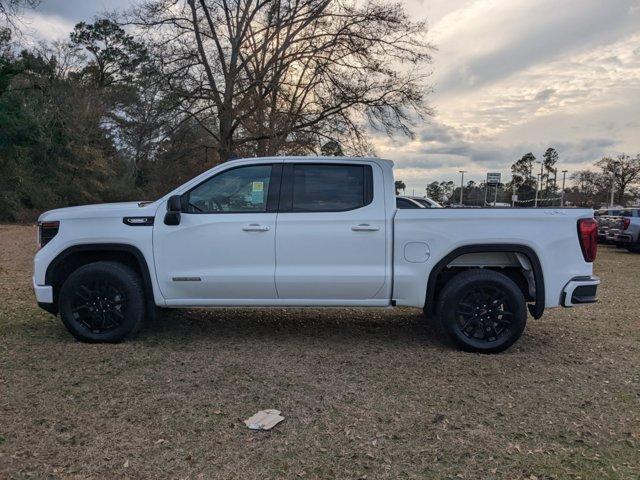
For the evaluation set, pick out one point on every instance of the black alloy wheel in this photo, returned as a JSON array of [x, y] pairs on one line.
[[484, 314], [102, 302], [482, 310], [99, 306]]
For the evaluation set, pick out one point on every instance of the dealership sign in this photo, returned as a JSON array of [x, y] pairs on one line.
[[493, 178]]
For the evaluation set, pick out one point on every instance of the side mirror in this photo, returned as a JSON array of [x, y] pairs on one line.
[[174, 207]]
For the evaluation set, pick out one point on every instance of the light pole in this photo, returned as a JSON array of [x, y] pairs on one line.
[[541, 176], [613, 182], [564, 176], [538, 178], [462, 172]]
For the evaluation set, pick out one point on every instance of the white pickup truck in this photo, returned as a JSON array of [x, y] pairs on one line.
[[311, 232]]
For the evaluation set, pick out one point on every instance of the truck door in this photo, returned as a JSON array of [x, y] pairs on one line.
[[224, 247], [331, 239]]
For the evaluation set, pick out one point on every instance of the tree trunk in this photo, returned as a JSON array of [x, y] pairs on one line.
[[225, 148]]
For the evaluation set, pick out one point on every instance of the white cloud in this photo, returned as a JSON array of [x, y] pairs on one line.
[[511, 76], [41, 26], [514, 76]]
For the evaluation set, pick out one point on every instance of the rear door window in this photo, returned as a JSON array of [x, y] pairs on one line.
[[328, 187]]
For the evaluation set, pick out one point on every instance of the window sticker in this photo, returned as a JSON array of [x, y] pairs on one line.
[[257, 192]]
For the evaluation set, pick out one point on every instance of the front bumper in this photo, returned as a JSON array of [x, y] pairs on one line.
[[44, 297], [580, 290], [44, 293]]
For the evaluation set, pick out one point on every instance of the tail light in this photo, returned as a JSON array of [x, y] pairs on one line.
[[46, 232], [588, 236], [626, 221]]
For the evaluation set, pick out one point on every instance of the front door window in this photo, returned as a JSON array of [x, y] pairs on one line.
[[239, 190]]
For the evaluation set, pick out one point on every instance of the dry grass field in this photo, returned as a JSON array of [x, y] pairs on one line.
[[366, 394]]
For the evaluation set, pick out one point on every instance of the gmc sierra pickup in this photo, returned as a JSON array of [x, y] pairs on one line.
[[311, 231]]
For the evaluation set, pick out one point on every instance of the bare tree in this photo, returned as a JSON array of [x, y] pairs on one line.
[[591, 183], [624, 169], [267, 76], [10, 11]]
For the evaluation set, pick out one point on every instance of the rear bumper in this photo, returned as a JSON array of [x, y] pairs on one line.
[[623, 238], [580, 290]]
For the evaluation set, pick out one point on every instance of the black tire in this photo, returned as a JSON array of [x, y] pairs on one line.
[[482, 300], [102, 302]]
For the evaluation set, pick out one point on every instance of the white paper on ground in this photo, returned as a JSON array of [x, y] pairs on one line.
[[264, 420]]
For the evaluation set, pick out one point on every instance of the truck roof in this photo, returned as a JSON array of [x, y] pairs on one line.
[[314, 157]]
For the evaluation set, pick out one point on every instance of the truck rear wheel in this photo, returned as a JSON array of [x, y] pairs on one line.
[[102, 302], [482, 311]]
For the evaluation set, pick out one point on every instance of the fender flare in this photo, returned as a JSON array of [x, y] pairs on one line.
[[536, 309], [103, 247]]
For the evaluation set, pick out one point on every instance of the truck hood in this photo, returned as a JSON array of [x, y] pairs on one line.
[[103, 210]]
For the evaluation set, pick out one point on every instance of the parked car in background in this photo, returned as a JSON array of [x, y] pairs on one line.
[[426, 202], [624, 230], [606, 218], [611, 212], [407, 203]]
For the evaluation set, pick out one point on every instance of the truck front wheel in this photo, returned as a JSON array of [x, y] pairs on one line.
[[482, 311], [102, 302]]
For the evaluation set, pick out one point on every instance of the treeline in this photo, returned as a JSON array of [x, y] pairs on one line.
[[544, 183], [589, 188], [128, 108]]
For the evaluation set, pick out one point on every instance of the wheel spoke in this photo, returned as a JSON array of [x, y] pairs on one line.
[[84, 293], [484, 308], [99, 306], [472, 333], [485, 333], [494, 331], [465, 308], [111, 321], [496, 298], [78, 308]]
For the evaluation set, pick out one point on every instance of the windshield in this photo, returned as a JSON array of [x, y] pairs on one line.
[[427, 203]]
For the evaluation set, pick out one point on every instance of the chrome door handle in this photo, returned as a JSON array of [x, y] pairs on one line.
[[254, 227], [365, 227]]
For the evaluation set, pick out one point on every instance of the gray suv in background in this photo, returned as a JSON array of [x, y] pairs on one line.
[[624, 230]]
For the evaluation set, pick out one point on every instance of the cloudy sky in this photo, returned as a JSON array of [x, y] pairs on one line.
[[510, 76]]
